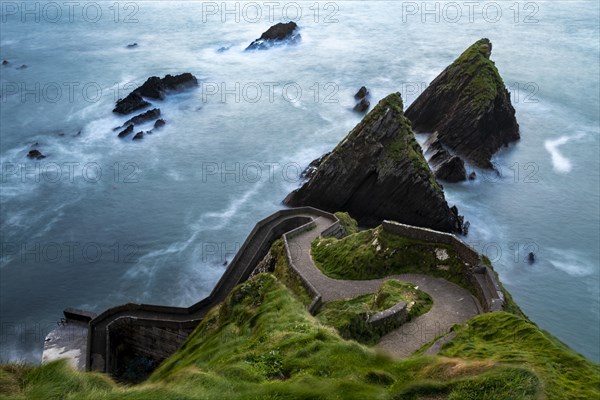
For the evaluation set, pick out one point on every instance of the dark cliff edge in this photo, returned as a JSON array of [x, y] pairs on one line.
[[378, 172], [469, 106]]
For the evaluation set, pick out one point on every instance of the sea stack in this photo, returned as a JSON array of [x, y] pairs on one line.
[[378, 172], [469, 106], [278, 34]]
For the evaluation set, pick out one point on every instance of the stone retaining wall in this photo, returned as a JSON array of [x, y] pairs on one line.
[[147, 328], [487, 288]]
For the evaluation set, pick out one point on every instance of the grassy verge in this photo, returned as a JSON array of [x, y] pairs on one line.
[[350, 225], [350, 317], [260, 343], [376, 253], [505, 338]]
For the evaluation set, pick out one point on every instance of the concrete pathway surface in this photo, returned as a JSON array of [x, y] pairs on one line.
[[451, 303]]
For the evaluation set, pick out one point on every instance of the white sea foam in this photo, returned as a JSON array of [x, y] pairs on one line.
[[570, 262], [560, 163]]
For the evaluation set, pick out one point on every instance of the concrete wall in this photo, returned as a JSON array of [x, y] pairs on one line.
[[487, 288], [151, 326]]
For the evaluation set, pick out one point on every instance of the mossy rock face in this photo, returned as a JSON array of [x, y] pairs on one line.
[[379, 172], [469, 106]]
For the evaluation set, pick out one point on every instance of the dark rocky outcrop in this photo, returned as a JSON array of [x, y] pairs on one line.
[[451, 169], [363, 103], [35, 154], [144, 117], [362, 106], [159, 123], [362, 93], [310, 171], [5, 62], [126, 131], [139, 135], [469, 106], [445, 166], [133, 102], [157, 88], [276, 35], [154, 88], [132, 45], [378, 172]]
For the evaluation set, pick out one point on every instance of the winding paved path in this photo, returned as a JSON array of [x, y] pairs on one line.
[[451, 303]]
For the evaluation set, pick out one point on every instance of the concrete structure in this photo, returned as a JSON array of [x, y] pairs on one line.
[[154, 332], [482, 278]]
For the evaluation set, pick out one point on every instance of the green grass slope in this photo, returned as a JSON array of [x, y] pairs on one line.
[[262, 344]]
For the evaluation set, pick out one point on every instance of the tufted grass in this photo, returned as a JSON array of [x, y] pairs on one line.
[[260, 343]]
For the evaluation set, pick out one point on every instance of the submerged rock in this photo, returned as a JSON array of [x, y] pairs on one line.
[[139, 135], [22, 66], [154, 88], [278, 34], [126, 131], [159, 123], [469, 106], [36, 154], [132, 45], [362, 106], [378, 172]]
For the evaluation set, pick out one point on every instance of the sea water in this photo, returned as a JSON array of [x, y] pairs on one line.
[[103, 221]]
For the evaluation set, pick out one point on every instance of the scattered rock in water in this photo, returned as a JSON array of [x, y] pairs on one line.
[[362, 93], [472, 176], [139, 135], [144, 117], [5, 62], [132, 45], [278, 34], [157, 88], [35, 154], [363, 103], [126, 131], [131, 103], [223, 49], [154, 88], [362, 106], [159, 123], [531, 258], [466, 226], [379, 172], [22, 66], [469, 106]]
